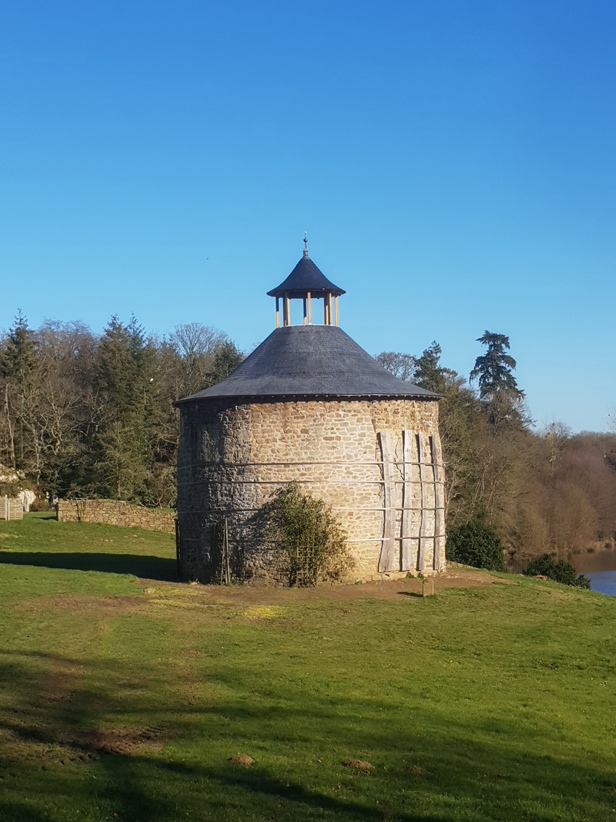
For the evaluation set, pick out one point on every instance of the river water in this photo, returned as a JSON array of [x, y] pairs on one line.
[[603, 581], [600, 568]]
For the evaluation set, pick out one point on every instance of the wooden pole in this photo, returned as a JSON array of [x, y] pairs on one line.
[[427, 587], [277, 312], [305, 312], [227, 568], [329, 309], [220, 533], [336, 305], [309, 310], [287, 320], [324, 310], [439, 501], [407, 501], [423, 528], [387, 559]]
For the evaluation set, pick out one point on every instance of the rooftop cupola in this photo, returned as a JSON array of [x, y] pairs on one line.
[[307, 283]]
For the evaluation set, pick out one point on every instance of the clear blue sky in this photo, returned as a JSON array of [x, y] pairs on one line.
[[453, 163]]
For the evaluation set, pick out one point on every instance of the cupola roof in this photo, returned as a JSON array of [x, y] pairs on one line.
[[306, 278]]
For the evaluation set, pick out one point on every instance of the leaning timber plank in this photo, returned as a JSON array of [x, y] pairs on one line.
[[423, 528], [439, 502], [409, 444], [387, 559]]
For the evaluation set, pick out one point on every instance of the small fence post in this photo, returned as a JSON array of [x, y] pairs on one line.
[[427, 587]]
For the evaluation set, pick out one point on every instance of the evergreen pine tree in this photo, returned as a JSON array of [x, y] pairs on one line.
[[429, 374], [126, 438], [498, 388], [18, 365]]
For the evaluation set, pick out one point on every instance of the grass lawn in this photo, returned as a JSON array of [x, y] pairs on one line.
[[124, 698]]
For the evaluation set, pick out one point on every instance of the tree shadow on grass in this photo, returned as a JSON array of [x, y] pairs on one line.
[[20, 812], [147, 567], [483, 776], [269, 791]]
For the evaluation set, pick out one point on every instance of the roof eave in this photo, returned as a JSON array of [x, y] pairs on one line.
[[279, 397], [302, 292]]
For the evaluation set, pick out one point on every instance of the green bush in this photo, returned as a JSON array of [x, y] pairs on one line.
[[304, 529], [476, 544], [540, 566], [560, 571]]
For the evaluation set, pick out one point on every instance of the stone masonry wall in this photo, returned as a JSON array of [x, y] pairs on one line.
[[232, 458], [114, 512]]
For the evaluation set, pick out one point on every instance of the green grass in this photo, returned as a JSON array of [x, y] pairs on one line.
[[39, 540], [124, 697]]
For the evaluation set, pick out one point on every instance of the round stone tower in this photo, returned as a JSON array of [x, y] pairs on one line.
[[309, 405]]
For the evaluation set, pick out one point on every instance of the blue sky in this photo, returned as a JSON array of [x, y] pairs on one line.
[[452, 162]]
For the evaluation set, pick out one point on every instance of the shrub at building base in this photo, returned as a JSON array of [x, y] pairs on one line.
[[558, 571], [476, 544], [302, 528]]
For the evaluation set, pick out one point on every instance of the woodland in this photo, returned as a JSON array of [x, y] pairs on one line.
[[543, 491], [87, 415]]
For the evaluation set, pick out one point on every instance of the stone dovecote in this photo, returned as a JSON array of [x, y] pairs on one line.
[[311, 405]]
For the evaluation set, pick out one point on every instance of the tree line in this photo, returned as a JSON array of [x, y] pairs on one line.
[[541, 491], [88, 415]]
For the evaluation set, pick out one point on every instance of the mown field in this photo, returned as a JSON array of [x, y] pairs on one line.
[[124, 698]]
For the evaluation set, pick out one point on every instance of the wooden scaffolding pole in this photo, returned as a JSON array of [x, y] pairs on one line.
[[423, 528], [439, 502], [408, 543], [387, 560]]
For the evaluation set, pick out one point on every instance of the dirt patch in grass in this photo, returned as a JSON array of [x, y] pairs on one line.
[[241, 759], [252, 602], [62, 746], [358, 764], [123, 741], [75, 604], [243, 595], [88, 746]]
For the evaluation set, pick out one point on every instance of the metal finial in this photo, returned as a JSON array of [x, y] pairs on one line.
[[305, 243]]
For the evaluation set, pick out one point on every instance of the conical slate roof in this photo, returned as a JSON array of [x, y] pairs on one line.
[[310, 361], [306, 276]]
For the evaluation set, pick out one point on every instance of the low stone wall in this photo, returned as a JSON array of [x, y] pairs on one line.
[[114, 512]]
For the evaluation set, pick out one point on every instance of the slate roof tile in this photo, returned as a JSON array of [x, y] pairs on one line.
[[311, 361]]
